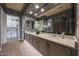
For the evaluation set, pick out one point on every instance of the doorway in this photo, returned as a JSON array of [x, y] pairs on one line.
[[12, 28]]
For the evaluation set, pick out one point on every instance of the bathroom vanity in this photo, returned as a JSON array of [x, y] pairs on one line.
[[52, 45], [50, 42]]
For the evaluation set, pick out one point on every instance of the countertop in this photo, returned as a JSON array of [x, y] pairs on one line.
[[68, 41]]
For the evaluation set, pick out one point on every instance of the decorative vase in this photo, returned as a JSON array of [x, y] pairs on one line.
[[37, 32]]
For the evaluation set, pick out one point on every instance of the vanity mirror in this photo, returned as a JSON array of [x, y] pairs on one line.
[[61, 22]]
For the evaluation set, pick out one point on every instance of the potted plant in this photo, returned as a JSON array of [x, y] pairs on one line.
[[37, 26]]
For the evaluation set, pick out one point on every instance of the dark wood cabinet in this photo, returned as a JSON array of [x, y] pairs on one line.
[[35, 42], [27, 37], [30, 39], [42, 45], [48, 48]]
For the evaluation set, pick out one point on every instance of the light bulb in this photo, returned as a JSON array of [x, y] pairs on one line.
[[30, 12], [42, 10], [36, 6], [35, 14]]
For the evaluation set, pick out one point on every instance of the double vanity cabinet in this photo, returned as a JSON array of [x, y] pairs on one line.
[[51, 47]]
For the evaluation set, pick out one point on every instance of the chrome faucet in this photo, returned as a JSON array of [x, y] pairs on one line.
[[62, 35]]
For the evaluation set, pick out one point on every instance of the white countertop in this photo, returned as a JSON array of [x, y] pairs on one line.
[[70, 42]]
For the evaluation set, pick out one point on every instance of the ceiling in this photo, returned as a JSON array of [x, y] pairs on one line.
[[49, 9], [17, 9], [57, 9], [25, 8], [45, 6], [15, 6]]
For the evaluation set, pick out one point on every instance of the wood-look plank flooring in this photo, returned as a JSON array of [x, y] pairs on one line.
[[19, 48]]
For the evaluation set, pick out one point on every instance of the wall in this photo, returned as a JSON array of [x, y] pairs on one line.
[[3, 27], [77, 25], [77, 22], [0, 28]]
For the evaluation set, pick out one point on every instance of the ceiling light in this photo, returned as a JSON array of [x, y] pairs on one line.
[[42, 10], [36, 6], [30, 12], [35, 14]]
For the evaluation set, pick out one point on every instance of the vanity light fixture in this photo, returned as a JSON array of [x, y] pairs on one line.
[[36, 6], [31, 12], [35, 14], [42, 10]]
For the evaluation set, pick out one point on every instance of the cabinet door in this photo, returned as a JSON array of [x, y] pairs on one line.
[[26, 37], [42, 46], [57, 50], [30, 39], [35, 42]]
